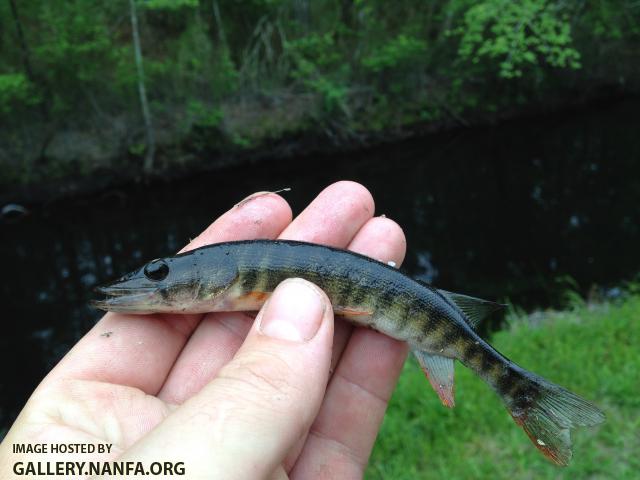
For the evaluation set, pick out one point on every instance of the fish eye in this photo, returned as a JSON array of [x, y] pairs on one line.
[[156, 270]]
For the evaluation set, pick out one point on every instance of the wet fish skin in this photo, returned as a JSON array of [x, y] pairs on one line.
[[438, 325]]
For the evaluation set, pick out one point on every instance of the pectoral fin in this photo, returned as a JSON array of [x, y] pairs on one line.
[[439, 372], [352, 312], [359, 316]]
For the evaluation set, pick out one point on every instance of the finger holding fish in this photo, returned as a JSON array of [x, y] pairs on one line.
[[382, 239], [344, 432], [257, 216], [142, 349], [362, 382], [334, 217], [342, 216]]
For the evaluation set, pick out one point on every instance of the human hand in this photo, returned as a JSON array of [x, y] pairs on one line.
[[218, 391]]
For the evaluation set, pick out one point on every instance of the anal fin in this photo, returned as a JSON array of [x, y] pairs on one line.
[[439, 372]]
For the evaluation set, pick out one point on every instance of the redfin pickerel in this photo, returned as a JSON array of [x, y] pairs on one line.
[[438, 325]]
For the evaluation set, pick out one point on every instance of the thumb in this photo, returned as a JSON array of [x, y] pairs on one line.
[[243, 423]]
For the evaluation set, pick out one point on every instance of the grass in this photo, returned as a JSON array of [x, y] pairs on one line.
[[592, 350]]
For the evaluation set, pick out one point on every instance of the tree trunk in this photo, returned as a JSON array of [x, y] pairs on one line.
[[301, 11], [142, 91], [49, 127], [216, 13], [21, 40], [347, 14]]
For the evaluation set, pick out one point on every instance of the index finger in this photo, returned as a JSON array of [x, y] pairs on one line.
[[140, 350]]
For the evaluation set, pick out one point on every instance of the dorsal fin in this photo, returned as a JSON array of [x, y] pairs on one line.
[[475, 309]]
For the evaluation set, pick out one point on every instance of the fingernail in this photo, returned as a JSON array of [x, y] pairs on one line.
[[254, 195], [294, 312], [249, 198]]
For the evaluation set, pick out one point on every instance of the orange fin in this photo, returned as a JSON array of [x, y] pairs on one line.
[[246, 302], [352, 312], [254, 296], [558, 455], [551, 416], [439, 372]]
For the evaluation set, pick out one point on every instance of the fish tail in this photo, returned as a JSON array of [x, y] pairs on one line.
[[548, 413]]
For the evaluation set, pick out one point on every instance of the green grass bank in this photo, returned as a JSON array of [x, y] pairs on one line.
[[592, 350]]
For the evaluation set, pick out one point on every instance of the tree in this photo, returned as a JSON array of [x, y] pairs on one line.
[[222, 38], [142, 91], [517, 35], [26, 57]]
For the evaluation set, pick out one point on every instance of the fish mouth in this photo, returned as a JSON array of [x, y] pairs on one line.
[[124, 299]]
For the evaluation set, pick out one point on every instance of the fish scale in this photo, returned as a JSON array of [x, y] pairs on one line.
[[438, 325]]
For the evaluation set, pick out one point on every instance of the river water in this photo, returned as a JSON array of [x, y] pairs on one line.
[[520, 211]]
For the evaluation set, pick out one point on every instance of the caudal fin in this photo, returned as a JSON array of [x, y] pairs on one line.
[[550, 416]]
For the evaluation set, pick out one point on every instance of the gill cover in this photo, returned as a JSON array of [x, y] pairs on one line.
[[186, 282]]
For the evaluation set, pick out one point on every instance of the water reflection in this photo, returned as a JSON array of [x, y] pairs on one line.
[[496, 212]]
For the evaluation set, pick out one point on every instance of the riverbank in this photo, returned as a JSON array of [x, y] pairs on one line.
[[82, 176], [589, 348], [94, 95]]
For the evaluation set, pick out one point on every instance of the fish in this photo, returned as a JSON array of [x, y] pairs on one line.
[[439, 326]]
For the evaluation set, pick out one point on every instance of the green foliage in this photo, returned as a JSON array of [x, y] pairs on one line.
[[16, 91], [400, 52], [570, 289], [72, 50], [281, 66], [199, 71], [592, 350], [204, 116], [517, 35], [137, 149], [318, 50], [225, 75], [167, 4], [318, 64], [612, 19]]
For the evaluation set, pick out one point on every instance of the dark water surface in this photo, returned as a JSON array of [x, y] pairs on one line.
[[507, 211]]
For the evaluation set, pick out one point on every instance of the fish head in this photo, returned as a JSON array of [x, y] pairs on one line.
[[172, 284]]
